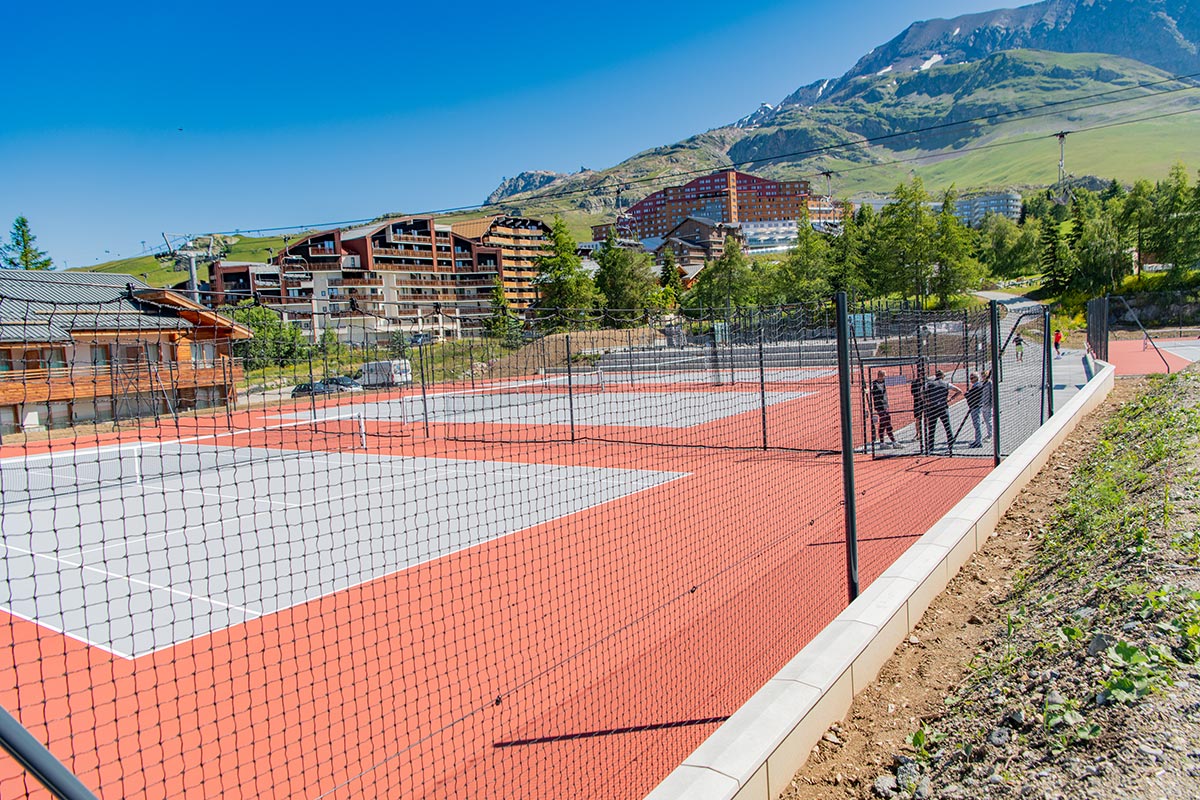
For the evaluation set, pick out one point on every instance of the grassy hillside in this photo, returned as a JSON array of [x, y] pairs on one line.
[[894, 103], [156, 273]]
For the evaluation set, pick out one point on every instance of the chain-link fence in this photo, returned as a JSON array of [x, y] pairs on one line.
[[253, 552]]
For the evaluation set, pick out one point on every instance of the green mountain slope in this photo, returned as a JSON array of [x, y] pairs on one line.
[[157, 273], [1014, 146]]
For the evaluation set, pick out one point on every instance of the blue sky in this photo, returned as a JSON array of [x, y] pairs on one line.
[[120, 121]]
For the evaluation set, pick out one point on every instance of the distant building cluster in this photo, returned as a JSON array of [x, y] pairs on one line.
[[412, 274], [420, 274], [970, 210]]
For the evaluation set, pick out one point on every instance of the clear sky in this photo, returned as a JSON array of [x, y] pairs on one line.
[[119, 121]]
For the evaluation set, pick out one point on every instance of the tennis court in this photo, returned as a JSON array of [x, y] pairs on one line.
[[212, 535]]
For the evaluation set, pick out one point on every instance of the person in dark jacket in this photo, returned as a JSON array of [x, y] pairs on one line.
[[979, 395], [881, 415], [937, 407]]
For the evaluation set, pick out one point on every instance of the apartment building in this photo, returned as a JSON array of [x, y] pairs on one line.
[[86, 347], [413, 274], [727, 196], [521, 241]]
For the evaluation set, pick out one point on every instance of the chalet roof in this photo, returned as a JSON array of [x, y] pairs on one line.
[[473, 228], [50, 306]]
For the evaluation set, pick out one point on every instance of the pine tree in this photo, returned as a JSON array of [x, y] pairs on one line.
[[803, 277], [668, 276], [21, 252], [1058, 268], [625, 278], [957, 269], [568, 294]]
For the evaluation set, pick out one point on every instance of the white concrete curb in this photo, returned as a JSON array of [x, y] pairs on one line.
[[754, 754]]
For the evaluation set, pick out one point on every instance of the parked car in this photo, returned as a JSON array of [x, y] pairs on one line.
[[421, 338], [397, 372], [343, 383], [314, 388]]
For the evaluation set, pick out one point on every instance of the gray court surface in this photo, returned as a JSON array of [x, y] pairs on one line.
[[1189, 350], [608, 407], [130, 556]]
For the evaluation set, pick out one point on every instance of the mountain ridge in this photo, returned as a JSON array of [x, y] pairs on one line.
[[933, 73]]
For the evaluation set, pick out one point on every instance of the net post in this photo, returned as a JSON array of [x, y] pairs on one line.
[[424, 391], [994, 320], [762, 384], [570, 388], [848, 492], [362, 427], [1048, 377]]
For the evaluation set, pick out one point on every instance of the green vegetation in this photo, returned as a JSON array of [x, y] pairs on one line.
[[166, 274], [21, 251]]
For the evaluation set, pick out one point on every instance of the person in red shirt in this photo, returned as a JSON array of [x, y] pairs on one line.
[[1057, 343]]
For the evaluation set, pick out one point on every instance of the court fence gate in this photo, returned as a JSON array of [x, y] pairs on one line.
[[379, 552]]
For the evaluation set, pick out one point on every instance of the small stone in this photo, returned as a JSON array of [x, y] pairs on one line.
[[1099, 644], [885, 785], [1150, 752], [995, 778], [891, 708], [908, 776], [1015, 718], [1129, 626], [999, 737], [899, 760], [913, 640], [838, 778], [1055, 698], [1085, 613], [974, 620], [832, 738], [924, 788]]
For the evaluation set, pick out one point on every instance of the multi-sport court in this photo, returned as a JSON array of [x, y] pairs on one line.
[[440, 592]]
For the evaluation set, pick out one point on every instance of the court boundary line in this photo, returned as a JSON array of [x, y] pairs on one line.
[[530, 471]]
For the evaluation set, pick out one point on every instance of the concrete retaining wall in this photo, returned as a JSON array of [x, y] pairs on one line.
[[755, 754]]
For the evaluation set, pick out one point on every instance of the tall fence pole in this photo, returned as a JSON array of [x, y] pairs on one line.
[[424, 391], [570, 388], [38, 761], [1048, 378], [848, 492], [994, 319], [762, 384]]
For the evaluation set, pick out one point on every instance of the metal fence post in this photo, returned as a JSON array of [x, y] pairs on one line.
[[762, 384], [424, 392], [570, 388], [848, 492], [994, 319], [38, 761], [1048, 377]]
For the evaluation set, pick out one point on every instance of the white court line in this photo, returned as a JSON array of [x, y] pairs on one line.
[[63, 632], [239, 498], [131, 579], [53, 454], [389, 572]]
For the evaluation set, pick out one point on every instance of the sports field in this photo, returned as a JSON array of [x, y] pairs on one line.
[[502, 589]]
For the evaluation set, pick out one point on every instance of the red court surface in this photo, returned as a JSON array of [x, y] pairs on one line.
[[586, 656], [1133, 357]]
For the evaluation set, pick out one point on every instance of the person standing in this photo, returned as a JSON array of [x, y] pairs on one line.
[[881, 414], [1019, 344], [976, 393], [917, 387], [1058, 337], [937, 407]]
